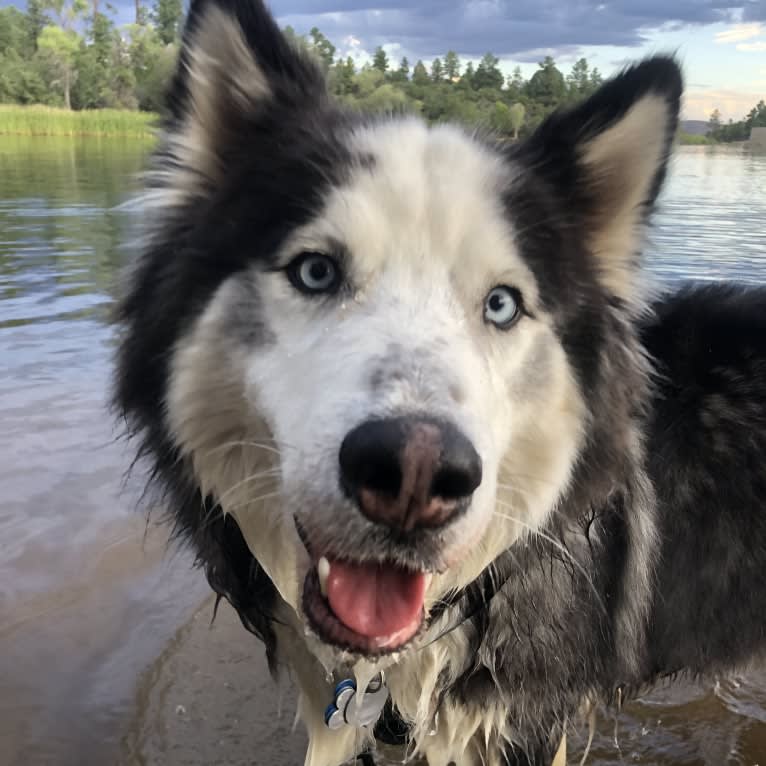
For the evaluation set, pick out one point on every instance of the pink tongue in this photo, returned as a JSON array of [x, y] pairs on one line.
[[375, 601]]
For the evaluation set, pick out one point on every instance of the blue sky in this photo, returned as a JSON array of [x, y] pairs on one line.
[[721, 43]]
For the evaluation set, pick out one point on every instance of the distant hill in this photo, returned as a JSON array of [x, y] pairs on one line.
[[695, 127]]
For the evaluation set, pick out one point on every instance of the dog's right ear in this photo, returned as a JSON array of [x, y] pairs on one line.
[[234, 67]]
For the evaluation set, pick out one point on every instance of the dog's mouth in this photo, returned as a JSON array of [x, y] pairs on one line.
[[366, 608]]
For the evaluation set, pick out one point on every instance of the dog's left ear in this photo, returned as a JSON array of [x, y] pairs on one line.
[[606, 160], [236, 72]]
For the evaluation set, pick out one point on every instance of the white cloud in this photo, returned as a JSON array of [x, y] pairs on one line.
[[733, 104], [739, 32], [756, 47]]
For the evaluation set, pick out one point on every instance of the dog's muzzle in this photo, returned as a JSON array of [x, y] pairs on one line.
[[409, 475]]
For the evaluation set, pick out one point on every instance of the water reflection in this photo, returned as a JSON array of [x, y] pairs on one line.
[[712, 220], [85, 603], [86, 600]]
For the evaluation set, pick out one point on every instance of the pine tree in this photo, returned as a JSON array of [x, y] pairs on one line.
[[402, 74], [380, 60], [488, 74], [322, 47], [578, 79], [437, 71], [420, 74], [467, 79], [451, 66]]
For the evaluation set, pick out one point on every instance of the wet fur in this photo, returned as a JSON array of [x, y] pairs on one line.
[[619, 541]]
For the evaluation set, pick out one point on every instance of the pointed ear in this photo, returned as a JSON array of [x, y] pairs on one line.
[[234, 67], [606, 160]]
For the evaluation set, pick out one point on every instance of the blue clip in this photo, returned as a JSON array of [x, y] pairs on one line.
[[340, 712]]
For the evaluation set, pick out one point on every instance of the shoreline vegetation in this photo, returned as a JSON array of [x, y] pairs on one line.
[[52, 121], [39, 120], [71, 55]]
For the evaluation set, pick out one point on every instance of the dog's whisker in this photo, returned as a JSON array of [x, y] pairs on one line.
[[266, 474], [245, 443], [253, 500], [217, 509]]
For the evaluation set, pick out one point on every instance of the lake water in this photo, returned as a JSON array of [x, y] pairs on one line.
[[89, 596]]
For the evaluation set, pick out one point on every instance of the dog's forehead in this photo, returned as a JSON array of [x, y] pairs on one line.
[[430, 196]]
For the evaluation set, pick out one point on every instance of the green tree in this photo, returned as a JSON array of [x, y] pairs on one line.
[[368, 81], [343, 78], [500, 118], [380, 60], [516, 83], [402, 74], [420, 74], [152, 64], [488, 74], [756, 118], [468, 76], [451, 66], [322, 47], [386, 98], [59, 46], [547, 85], [167, 18], [37, 19], [105, 71], [578, 80], [21, 80], [437, 70], [13, 30]]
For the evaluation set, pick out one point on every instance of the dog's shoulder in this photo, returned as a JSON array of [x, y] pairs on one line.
[[706, 439]]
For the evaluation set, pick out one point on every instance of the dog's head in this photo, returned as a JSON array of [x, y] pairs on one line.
[[380, 347]]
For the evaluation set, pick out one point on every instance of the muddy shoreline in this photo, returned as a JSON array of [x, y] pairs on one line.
[[209, 700]]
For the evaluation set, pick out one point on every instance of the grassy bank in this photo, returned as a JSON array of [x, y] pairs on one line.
[[48, 121], [691, 139]]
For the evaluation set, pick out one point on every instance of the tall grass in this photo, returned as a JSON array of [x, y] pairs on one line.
[[691, 139], [49, 121]]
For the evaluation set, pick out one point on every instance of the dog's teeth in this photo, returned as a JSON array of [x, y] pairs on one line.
[[323, 570], [428, 579]]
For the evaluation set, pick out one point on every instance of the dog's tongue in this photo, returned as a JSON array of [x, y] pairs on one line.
[[375, 601]]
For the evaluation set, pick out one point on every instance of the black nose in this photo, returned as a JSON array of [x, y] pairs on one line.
[[409, 472]]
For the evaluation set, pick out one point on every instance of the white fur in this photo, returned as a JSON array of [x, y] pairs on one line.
[[279, 412]]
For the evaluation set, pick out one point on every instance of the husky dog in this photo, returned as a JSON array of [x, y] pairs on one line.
[[408, 399]]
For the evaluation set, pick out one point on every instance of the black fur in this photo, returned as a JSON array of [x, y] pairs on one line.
[[706, 448], [548, 618], [550, 640]]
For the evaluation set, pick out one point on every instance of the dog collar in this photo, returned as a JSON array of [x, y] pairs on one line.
[[345, 710]]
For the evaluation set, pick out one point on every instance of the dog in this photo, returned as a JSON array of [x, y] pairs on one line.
[[410, 397]]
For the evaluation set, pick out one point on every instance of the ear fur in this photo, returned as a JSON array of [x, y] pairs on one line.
[[607, 160], [234, 66]]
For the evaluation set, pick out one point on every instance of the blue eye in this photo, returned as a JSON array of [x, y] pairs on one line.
[[314, 274], [502, 307]]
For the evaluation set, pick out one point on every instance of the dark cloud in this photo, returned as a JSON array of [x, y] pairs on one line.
[[506, 27], [516, 28]]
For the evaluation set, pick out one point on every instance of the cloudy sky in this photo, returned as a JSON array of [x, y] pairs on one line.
[[722, 44]]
